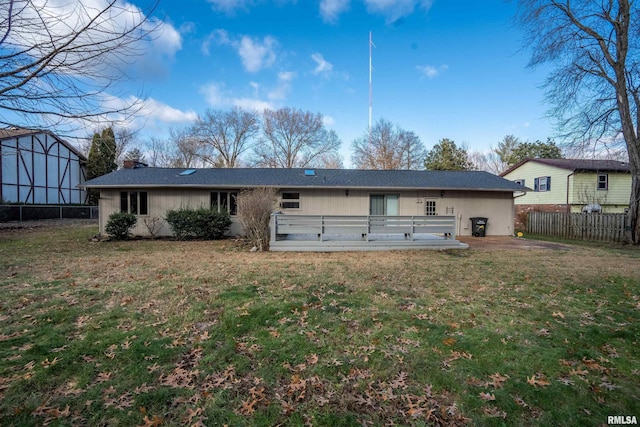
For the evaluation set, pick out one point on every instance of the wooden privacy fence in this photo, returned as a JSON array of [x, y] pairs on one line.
[[582, 226]]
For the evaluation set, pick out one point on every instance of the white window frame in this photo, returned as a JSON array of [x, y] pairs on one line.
[[545, 180], [605, 182], [430, 207]]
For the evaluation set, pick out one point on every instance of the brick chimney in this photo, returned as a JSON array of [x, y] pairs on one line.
[[133, 164]]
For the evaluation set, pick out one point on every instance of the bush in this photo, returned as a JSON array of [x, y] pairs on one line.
[[120, 224], [202, 223], [254, 212]]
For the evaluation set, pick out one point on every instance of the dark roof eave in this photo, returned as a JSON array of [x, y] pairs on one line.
[[337, 187]]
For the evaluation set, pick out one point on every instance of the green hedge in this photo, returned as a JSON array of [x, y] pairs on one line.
[[120, 224], [202, 223]]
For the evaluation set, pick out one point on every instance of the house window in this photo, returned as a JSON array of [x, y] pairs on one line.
[[290, 201], [384, 204], [430, 207], [603, 181], [519, 181], [222, 201], [542, 184], [134, 202]]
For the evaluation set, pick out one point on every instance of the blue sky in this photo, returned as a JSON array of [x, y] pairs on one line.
[[442, 68]]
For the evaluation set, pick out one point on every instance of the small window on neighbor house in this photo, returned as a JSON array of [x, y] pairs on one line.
[[542, 184], [134, 202], [290, 201], [603, 181], [519, 181]]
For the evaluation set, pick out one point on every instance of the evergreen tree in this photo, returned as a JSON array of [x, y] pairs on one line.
[[446, 155], [101, 159]]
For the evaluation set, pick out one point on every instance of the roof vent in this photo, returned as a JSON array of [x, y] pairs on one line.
[[187, 172], [309, 172]]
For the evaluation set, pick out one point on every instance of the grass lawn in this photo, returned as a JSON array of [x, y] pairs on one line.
[[164, 333]]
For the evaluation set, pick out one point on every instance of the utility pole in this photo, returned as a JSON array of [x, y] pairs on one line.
[[371, 46]]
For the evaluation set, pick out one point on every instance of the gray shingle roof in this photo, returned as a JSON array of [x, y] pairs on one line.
[[296, 178]]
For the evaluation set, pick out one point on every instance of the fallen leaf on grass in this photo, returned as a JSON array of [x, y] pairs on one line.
[[487, 396], [520, 402], [578, 371], [558, 314], [493, 412], [153, 422], [497, 380], [536, 381], [46, 363], [449, 341]]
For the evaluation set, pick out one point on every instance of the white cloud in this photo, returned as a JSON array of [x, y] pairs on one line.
[[396, 9], [217, 97], [331, 9], [219, 36], [430, 71], [148, 54], [230, 6], [328, 121], [283, 87], [187, 28], [257, 54], [322, 65], [252, 104], [164, 113]]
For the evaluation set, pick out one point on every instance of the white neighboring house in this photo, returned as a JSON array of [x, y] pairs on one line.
[[38, 167]]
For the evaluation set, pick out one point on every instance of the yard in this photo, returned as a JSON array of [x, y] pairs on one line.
[[164, 333]]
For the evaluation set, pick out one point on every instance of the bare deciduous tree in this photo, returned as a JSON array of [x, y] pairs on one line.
[[387, 146], [158, 153], [187, 148], [60, 61], [228, 133], [594, 46], [332, 160], [293, 138]]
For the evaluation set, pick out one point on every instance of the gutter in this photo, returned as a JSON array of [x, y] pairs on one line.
[[238, 186], [569, 176]]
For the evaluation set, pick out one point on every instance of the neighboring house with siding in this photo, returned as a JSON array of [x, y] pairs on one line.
[[37, 167], [568, 185], [151, 192]]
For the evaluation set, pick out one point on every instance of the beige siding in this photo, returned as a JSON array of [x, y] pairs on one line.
[[354, 202], [497, 206], [529, 171], [159, 202]]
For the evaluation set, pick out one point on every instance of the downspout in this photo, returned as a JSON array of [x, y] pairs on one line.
[[568, 177]]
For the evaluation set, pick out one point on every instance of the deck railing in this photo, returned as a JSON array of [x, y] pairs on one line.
[[321, 226]]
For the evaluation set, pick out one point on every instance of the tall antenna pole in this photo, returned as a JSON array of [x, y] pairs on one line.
[[371, 45]]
